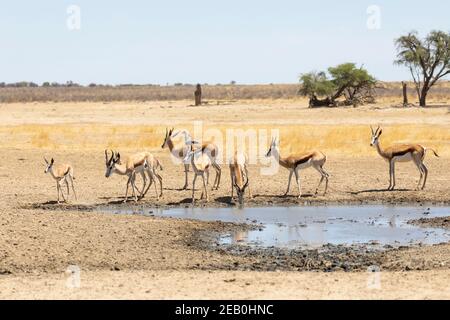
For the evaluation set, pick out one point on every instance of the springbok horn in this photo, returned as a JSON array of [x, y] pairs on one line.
[[377, 130], [45, 160], [371, 128], [246, 183]]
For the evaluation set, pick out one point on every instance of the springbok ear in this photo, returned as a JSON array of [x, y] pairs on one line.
[[52, 161], [380, 132]]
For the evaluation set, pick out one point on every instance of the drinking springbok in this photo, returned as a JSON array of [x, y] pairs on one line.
[[61, 172], [402, 153], [294, 163], [141, 163], [238, 171], [180, 150]]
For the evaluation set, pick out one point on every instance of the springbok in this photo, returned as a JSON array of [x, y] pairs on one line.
[[294, 163], [137, 163], [238, 171], [181, 149], [59, 173], [402, 153], [201, 163]]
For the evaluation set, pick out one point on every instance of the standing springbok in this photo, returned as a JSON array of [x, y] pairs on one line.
[[238, 171], [59, 173], [181, 149], [402, 153], [201, 163], [294, 163], [137, 163]]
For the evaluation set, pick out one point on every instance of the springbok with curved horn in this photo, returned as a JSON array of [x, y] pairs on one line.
[[294, 163], [181, 149], [137, 163], [61, 172], [402, 153], [238, 171]]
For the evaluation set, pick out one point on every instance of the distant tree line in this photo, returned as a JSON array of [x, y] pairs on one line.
[[68, 84], [29, 84]]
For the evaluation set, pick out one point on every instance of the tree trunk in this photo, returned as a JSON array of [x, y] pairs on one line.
[[405, 94], [198, 95], [315, 102], [423, 96]]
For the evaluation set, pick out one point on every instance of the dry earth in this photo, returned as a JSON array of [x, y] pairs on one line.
[[230, 285], [130, 256]]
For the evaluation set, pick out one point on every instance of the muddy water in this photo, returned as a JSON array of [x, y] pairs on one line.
[[309, 227]]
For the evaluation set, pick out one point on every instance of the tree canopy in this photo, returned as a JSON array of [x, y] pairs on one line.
[[354, 84], [428, 59]]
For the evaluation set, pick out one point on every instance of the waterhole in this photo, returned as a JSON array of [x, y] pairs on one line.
[[315, 226]]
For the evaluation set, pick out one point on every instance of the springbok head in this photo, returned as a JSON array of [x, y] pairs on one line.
[[240, 191], [375, 135], [111, 162], [167, 137], [192, 151], [49, 165]]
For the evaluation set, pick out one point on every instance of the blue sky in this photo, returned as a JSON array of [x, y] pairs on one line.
[[211, 41]]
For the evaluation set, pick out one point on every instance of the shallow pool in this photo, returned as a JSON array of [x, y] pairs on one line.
[[315, 226]]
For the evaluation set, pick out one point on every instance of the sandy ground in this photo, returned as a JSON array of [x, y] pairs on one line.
[[40, 239], [229, 285], [171, 113]]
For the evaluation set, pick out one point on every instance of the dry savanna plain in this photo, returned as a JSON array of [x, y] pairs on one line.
[[136, 256]]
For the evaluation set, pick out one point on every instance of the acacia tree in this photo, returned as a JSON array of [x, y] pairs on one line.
[[428, 59], [315, 84], [346, 80]]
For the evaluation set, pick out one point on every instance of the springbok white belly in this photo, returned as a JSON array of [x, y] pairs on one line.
[[139, 169], [405, 158], [305, 165]]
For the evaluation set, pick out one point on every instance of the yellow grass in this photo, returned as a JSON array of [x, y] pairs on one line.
[[352, 140]]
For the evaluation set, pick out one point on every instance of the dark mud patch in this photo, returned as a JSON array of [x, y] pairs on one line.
[[328, 258], [54, 206], [437, 222]]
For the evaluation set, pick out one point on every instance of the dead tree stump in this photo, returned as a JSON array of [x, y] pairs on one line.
[[198, 95], [405, 94]]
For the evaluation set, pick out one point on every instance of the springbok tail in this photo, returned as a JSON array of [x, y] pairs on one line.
[[436, 155], [69, 172]]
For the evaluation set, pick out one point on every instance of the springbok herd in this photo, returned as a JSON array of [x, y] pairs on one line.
[[203, 157]]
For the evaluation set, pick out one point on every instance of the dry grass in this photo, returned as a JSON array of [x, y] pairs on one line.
[[210, 92], [336, 140], [146, 93]]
